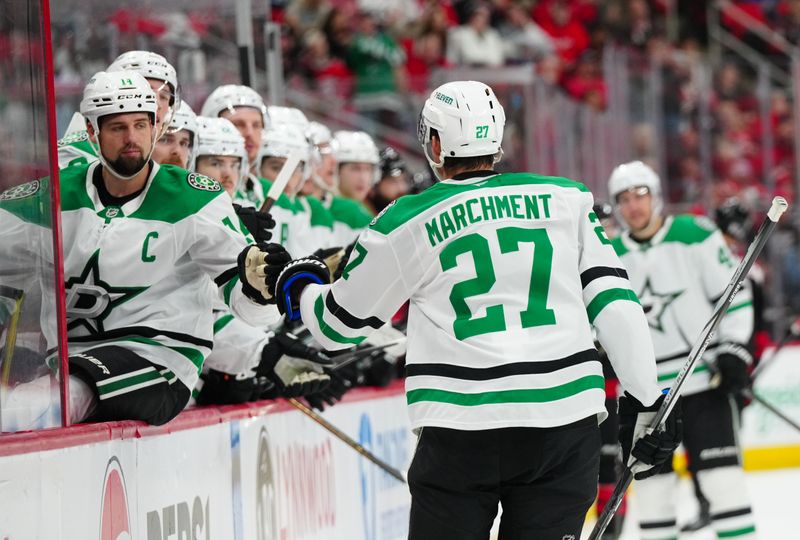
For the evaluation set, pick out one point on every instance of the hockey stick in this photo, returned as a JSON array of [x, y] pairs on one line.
[[360, 354], [792, 332], [770, 407], [777, 209], [17, 296], [336, 432], [279, 185]]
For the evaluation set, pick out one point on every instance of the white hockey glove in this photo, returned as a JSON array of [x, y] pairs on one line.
[[257, 264], [643, 451]]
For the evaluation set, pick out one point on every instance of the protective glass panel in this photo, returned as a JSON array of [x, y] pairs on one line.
[[29, 388]]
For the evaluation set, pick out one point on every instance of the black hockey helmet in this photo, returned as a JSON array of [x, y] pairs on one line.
[[391, 163], [733, 219]]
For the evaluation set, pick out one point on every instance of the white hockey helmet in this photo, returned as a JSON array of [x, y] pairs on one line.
[[318, 134], [468, 119], [151, 65], [280, 140], [355, 147], [633, 175], [288, 115], [219, 137], [118, 92], [230, 96], [186, 120]]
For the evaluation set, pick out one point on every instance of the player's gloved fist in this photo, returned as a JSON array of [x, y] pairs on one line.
[[732, 368], [332, 394], [645, 452], [296, 369], [259, 224], [333, 259], [293, 278], [258, 265]]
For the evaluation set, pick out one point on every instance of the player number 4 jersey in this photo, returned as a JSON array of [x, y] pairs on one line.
[[505, 275], [679, 275]]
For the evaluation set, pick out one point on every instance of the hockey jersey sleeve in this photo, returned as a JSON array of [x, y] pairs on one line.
[[216, 245], [614, 310], [717, 264], [373, 286]]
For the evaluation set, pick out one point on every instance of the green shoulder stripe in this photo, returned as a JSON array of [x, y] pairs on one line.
[[351, 213], [29, 202], [320, 215], [73, 187], [410, 206], [618, 246], [687, 229], [176, 194]]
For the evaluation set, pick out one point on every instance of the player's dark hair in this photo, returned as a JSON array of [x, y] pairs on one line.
[[472, 163]]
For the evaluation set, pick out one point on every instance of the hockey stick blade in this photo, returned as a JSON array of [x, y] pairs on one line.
[[279, 185], [336, 432], [776, 210]]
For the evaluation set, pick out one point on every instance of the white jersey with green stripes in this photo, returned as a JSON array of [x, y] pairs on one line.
[[679, 275], [505, 274], [137, 275], [75, 149]]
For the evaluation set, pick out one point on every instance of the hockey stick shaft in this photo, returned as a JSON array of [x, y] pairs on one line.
[[336, 432], [361, 354], [282, 179], [792, 332], [770, 407], [777, 209]]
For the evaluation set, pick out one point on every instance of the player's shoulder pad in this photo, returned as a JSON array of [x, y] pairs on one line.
[[176, 194], [619, 246], [73, 138], [320, 216], [351, 213], [524, 178], [28, 201], [689, 229]]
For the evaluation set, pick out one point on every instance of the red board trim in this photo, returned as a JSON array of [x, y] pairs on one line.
[[82, 434]]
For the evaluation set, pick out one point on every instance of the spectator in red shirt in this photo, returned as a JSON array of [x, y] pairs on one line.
[[569, 36]]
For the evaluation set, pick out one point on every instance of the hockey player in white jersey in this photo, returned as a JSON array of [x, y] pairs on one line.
[[680, 266], [505, 273], [75, 147], [177, 145], [221, 153], [140, 242]]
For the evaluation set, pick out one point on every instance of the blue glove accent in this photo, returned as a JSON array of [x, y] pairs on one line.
[[291, 314]]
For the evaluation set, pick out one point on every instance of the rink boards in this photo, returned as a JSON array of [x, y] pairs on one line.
[[264, 471], [260, 472]]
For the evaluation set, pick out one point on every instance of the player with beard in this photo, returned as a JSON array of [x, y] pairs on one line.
[[139, 328], [75, 147]]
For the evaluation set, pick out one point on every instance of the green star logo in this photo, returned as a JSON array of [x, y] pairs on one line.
[[90, 300], [655, 304]]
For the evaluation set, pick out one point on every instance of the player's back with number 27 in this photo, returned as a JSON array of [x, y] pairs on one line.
[[505, 273]]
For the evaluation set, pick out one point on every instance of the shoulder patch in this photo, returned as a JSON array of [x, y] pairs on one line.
[[203, 183], [376, 218], [72, 138], [20, 192]]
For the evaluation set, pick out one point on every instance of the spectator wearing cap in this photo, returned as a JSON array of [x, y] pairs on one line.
[[475, 43]]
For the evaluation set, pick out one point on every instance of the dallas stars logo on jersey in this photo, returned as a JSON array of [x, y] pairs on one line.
[[90, 300], [656, 304]]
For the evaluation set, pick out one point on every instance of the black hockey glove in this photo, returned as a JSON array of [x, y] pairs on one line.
[[296, 369], [732, 368], [293, 278], [332, 394], [260, 264], [646, 452], [259, 224], [220, 388]]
